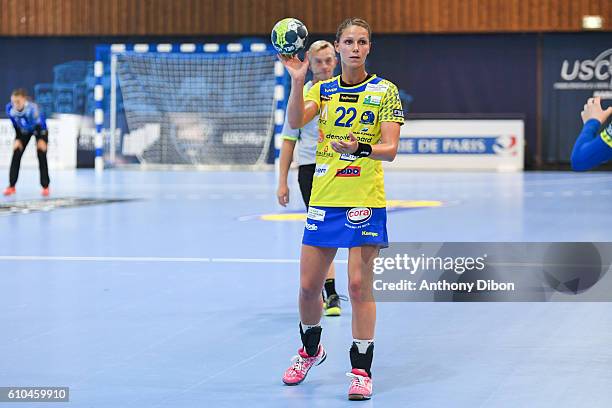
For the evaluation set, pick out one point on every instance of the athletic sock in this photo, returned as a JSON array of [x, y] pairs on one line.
[[361, 354], [311, 336], [330, 287]]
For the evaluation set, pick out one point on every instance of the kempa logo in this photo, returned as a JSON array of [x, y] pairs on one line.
[[587, 74]]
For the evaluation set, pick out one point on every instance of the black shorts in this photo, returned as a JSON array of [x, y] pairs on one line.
[[305, 175], [24, 138]]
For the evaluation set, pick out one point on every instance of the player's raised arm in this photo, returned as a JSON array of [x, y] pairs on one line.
[[590, 149], [298, 111]]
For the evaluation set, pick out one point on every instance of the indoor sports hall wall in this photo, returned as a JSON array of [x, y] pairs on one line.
[[445, 74], [447, 56]]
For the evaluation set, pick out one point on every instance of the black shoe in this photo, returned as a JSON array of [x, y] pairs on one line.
[[331, 307]]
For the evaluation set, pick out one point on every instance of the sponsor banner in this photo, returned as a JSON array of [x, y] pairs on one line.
[[494, 272], [489, 144], [62, 148]]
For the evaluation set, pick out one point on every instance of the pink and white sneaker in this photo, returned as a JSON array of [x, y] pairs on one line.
[[361, 386], [302, 363]]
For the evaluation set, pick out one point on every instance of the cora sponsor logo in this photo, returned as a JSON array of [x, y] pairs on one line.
[[349, 171], [358, 215]]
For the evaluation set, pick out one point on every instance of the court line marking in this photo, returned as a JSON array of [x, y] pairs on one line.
[[25, 258]]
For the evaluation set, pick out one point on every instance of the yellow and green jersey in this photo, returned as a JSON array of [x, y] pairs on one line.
[[343, 180]]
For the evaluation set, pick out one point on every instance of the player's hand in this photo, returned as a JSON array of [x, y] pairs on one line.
[[283, 195], [297, 68], [592, 110], [346, 147]]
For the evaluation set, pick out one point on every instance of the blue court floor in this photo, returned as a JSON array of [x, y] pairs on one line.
[[185, 297]]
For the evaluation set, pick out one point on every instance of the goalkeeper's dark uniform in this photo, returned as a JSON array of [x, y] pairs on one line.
[[27, 123]]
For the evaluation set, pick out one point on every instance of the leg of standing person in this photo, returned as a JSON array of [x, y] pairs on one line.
[[331, 299], [41, 151], [21, 141], [361, 353], [314, 264]]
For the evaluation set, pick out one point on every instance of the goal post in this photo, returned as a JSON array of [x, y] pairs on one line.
[[188, 105]]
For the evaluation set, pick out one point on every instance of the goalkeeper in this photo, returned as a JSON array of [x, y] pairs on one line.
[[27, 121], [323, 60]]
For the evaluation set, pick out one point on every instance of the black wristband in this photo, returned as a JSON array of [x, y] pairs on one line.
[[363, 150]]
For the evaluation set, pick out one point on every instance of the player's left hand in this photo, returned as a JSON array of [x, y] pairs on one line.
[[346, 147]]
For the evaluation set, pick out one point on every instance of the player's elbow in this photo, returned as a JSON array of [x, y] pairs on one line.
[[389, 157], [392, 153], [579, 163]]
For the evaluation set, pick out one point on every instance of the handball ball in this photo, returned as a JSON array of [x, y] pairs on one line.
[[289, 36]]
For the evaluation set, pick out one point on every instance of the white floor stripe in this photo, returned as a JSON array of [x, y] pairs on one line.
[[147, 259]]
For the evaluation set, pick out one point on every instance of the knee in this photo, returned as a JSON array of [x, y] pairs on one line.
[[310, 291], [41, 148], [356, 289]]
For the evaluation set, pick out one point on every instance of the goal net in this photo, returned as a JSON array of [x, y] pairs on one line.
[[192, 108]]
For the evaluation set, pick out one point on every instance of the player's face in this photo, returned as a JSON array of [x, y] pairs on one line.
[[354, 46], [18, 102], [323, 63]]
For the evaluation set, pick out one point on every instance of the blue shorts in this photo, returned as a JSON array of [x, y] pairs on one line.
[[345, 227]]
